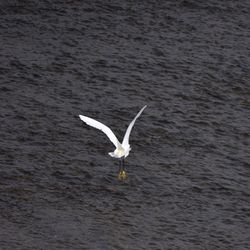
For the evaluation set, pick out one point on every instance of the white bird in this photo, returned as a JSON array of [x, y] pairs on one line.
[[122, 149]]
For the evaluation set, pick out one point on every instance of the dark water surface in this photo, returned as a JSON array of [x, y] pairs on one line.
[[188, 183]]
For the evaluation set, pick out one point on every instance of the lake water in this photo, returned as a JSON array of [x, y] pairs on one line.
[[188, 184]]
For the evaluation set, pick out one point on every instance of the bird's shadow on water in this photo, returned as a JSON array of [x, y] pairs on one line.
[[131, 179], [111, 185], [106, 178], [77, 183]]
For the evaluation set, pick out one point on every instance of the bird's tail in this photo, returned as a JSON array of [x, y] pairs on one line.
[[112, 154]]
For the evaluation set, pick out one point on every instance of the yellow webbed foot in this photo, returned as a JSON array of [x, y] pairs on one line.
[[122, 175]]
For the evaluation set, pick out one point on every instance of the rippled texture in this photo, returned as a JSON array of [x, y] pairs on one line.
[[188, 183]]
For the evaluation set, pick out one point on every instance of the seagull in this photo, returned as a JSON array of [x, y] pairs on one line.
[[121, 149]]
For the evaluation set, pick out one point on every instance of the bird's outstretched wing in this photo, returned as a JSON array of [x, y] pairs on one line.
[[125, 142], [93, 123]]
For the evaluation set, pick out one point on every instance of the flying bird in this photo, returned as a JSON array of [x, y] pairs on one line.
[[121, 149]]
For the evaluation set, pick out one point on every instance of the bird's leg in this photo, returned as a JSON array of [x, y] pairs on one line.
[[122, 174], [123, 164], [120, 165]]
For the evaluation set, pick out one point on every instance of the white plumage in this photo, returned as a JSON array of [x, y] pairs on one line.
[[122, 149]]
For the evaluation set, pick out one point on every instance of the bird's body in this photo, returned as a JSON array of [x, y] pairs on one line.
[[118, 153], [122, 149]]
